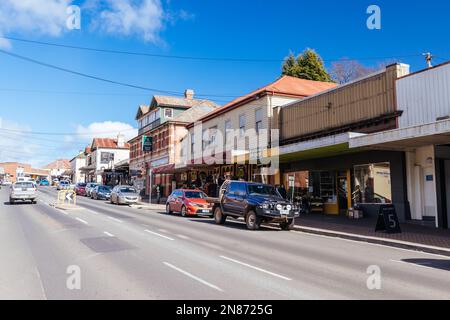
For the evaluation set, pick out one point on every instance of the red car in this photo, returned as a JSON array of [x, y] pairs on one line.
[[80, 189], [188, 203]]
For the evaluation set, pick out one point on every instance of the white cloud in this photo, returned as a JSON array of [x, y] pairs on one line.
[[14, 145], [46, 17], [143, 18], [107, 129]]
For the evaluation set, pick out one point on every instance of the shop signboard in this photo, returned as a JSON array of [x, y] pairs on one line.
[[388, 219]]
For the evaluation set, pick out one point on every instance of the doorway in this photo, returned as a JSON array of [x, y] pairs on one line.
[[343, 190]]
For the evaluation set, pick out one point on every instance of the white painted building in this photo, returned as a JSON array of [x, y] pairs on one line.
[[105, 154], [76, 164]]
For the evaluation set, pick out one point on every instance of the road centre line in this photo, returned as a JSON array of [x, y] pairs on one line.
[[159, 235], [193, 277], [256, 268], [108, 234], [114, 219], [82, 221]]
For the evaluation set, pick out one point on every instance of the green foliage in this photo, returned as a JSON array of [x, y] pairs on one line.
[[308, 65]]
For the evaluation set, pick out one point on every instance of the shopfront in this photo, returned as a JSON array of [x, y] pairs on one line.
[[333, 185]]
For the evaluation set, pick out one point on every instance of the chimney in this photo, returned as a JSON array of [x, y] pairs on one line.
[[120, 140], [189, 94]]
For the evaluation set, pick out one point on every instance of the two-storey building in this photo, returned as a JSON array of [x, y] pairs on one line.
[[233, 141], [164, 121]]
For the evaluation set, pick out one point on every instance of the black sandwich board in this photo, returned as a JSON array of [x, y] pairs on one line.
[[388, 219]]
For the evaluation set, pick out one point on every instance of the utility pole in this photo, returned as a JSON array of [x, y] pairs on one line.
[[428, 57]]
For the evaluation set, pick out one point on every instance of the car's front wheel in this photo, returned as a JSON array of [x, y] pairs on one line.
[[287, 226], [219, 217], [252, 221], [11, 201], [168, 211], [184, 211]]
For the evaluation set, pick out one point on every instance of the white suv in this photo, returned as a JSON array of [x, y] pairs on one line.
[[23, 191]]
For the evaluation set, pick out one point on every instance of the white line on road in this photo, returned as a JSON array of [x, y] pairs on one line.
[[82, 221], [256, 268], [116, 220], [108, 234], [183, 237], [413, 264], [193, 277], [159, 235]]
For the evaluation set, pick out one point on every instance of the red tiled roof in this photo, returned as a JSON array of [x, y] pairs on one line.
[[107, 143], [286, 85]]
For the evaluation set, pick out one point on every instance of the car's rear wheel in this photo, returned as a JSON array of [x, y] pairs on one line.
[[168, 211], [184, 211], [252, 221], [219, 217], [287, 226], [11, 201]]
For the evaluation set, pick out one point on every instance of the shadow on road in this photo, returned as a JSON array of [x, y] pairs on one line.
[[430, 263], [7, 203]]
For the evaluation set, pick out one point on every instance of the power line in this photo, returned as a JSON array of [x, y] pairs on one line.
[[81, 74], [65, 134], [217, 59]]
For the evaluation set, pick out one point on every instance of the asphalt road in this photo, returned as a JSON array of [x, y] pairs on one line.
[[127, 253]]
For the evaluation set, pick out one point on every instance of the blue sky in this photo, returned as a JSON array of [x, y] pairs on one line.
[[38, 99]]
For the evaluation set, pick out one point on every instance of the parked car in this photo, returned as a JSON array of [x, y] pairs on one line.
[[101, 193], [256, 202], [124, 195], [89, 187], [6, 183], [63, 185], [188, 203], [80, 189], [44, 183], [23, 191], [55, 182]]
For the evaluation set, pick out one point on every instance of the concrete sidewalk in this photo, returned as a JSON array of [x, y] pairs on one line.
[[413, 236]]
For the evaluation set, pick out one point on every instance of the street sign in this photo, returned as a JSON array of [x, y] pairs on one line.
[[147, 143], [388, 220], [66, 197]]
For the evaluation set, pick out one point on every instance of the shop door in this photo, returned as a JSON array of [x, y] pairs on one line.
[[343, 191]]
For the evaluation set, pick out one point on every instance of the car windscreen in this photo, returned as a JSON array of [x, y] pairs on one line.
[[194, 195], [20, 185], [260, 189], [128, 190], [104, 189]]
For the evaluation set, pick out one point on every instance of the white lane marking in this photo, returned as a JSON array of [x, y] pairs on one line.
[[159, 235], [193, 277], [183, 237], [413, 264], [108, 234], [41, 283], [116, 220], [82, 221], [256, 268]]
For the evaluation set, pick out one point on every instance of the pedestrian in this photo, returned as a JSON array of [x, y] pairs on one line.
[[158, 194]]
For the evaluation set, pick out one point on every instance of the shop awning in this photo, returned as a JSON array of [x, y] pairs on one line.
[[405, 138], [317, 148], [87, 168]]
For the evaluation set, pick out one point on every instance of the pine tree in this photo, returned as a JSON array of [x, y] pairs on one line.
[[308, 65]]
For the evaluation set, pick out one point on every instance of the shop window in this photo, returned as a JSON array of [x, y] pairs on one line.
[[372, 183], [242, 122]]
